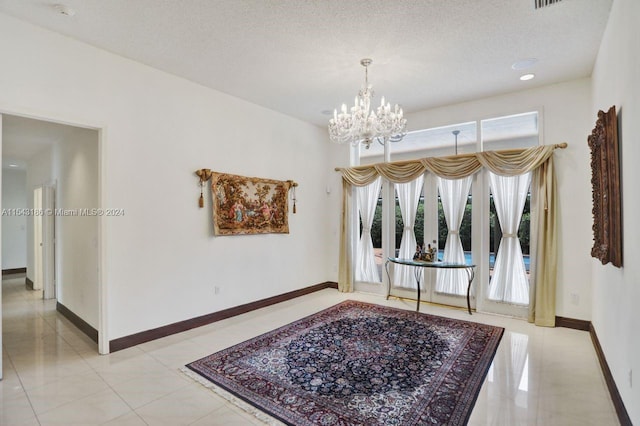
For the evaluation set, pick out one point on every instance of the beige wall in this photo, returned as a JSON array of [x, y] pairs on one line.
[[565, 118], [616, 291]]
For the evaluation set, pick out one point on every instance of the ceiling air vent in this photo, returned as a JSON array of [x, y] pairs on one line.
[[543, 3]]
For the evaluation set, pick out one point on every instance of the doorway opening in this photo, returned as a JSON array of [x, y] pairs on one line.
[[61, 253]]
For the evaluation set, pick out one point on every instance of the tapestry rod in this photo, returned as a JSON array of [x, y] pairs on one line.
[[205, 174]]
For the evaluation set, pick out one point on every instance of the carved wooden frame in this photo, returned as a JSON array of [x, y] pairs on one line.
[[605, 181]]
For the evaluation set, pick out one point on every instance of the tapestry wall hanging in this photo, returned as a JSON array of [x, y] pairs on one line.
[[249, 205]]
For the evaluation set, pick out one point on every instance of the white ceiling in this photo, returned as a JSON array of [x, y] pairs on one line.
[[301, 57], [22, 138]]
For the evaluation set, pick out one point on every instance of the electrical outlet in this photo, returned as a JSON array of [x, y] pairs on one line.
[[575, 298], [216, 290]]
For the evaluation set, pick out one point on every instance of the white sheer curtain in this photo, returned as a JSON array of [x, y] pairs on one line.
[[454, 194], [366, 268], [509, 282], [408, 199]]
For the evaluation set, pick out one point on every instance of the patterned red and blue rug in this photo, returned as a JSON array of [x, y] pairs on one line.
[[359, 364]]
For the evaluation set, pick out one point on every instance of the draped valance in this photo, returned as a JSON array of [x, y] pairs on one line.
[[513, 162], [510, 162]]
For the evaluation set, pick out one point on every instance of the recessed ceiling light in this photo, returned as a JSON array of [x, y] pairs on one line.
[[524, 64], [13, 165], [527, 77], [65, 10]]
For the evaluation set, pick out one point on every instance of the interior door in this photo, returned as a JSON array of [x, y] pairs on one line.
[[1, 354], [48, 242], [38, 244]]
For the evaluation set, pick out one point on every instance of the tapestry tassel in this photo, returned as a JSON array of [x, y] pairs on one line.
[[293, 198], [204, 175]]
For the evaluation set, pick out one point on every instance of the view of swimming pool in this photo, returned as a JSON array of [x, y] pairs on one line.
[[492, 258], [467, 256]]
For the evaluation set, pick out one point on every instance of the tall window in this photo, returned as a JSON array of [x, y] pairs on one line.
[[510, 281], [408, 197], [509, 211], [454, 196], [366, 266]]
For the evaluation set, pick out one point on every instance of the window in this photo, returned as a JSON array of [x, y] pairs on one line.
[[509, 213], [480, 219], [453, 202], [407, 200], [366, 266]]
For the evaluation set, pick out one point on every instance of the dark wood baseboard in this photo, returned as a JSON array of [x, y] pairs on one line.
[[82, 325], [623, 416], [14, 271], [576, 324], [178, 327], [28, 283]]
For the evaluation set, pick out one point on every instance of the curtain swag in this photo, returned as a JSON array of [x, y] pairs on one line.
[[511, 162]]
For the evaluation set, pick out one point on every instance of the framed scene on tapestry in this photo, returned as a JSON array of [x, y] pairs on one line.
[[247, 205]]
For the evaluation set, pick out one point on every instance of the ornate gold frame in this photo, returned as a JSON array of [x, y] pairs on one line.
[[605, 181]]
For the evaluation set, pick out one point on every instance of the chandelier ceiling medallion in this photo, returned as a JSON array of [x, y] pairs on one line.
[[364, 125]]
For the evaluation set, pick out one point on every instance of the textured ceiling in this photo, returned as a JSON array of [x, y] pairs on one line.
[[301, 57]]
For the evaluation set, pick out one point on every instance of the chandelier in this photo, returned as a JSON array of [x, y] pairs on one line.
[[364, 125]]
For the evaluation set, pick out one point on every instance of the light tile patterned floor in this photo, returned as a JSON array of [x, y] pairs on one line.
[[54, 376]]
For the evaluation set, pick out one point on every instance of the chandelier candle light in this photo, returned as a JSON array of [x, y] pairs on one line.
[[362, 124]]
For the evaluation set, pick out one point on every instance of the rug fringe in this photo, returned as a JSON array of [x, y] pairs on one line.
[[248, 408]]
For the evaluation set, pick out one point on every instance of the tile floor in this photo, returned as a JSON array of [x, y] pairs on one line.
[[54, 376]]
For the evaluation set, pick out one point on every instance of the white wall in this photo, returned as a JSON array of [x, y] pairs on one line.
[[161, 260], [14, 227], [616, 291], [565, 118], [75, 170]]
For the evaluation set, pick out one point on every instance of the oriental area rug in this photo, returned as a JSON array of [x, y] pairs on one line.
[[357, 364]]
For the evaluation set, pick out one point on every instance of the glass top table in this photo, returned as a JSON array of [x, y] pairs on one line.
[[424, 264]]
